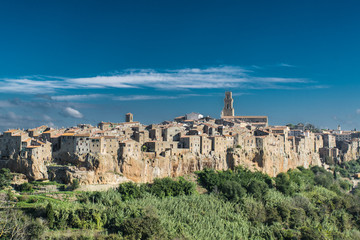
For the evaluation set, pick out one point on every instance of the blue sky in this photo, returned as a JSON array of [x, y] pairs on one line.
[[69, 62]]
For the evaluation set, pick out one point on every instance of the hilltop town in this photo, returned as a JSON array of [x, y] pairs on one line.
[[116, 152]]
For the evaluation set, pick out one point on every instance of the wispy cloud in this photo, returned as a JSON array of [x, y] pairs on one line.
[[71, 112], [220, 77], [286, 65], [143, 97], [77, 97], [156, 97], [358, 111]]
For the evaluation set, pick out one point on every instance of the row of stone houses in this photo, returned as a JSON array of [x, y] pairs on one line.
[[203, 136]]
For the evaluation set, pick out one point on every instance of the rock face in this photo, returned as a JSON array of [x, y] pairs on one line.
[[350, 150], [88, 168], [270, 155], [33, 169], [271, 159]]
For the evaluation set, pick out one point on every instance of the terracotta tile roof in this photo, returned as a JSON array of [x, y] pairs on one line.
[[32, 146], [67, 134], [82, 135], [10, 130]]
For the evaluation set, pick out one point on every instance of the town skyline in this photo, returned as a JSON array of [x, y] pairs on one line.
[[66, 63]]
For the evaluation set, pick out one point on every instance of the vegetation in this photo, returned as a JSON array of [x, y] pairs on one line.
[[239, 204], [74, 184], [5, 178], [348, 169]]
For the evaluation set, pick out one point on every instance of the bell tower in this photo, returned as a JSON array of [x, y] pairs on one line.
[[228, 109]]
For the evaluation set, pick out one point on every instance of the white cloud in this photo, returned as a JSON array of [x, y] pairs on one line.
[[181, 79], [143, 97], [71, 112], [155, 97], [76, 97], [286, 65], [47, 117]]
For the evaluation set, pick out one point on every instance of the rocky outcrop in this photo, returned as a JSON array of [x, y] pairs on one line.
[[349, 150], [270, 160], [33, 169], [270, 155], [88, 168]]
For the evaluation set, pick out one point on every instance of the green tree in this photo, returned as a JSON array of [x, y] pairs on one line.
[[74, 185], [257, 188], [232, 190], [26, 187], [5, 178], [283, 183], [50, 215], [130, 190]]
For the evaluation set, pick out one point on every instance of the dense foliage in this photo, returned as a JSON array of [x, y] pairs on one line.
[[239, 204], [5, 178], [306, 203], [348, 169]]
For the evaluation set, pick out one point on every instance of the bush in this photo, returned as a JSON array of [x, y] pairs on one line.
[[147, 227], [130, 190], [5, 178], [324, 180], [74, 185], [26, 187], [232, 191], [345, 185], [283, 184], [254, 209], [167, 187], [208, 178], [257, 189], [50, 215], [36, 229]]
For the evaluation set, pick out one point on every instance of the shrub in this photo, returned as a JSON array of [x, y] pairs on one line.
[[257, 188], [254, 209], [50, 215], [36, 229], [283, 184], [167, 187], [74, 185], [130, 190], [147, 227], [26, 187], [208, 178], [324, 179], [232, 190], [5, 178]]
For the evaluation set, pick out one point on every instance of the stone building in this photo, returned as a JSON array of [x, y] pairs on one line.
[[218, 144], [37, 150], [190, 142], [193, 116], [329, 141], [129, 148], [205, 144], [171, 133], [11, 143]]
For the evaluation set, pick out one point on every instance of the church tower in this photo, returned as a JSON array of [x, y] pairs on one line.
[[129, 117], [228, 105]]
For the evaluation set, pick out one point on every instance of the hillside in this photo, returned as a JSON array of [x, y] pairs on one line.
[[240, 204]]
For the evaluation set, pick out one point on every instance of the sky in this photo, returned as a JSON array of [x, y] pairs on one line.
[[68, 62]]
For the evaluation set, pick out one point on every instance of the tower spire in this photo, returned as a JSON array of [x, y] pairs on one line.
[[228, 109]]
